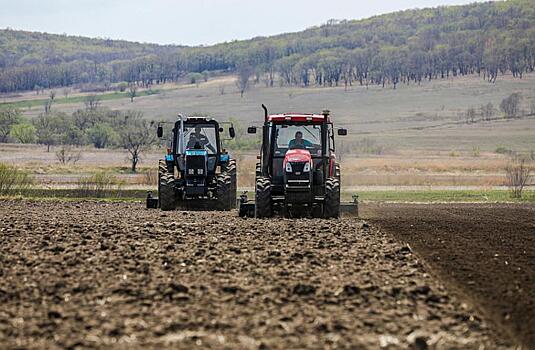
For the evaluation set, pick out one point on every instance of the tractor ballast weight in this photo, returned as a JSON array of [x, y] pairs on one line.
[[197, 173], [298, 174]]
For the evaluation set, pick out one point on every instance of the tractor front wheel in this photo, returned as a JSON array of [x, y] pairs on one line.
[[331, 204]]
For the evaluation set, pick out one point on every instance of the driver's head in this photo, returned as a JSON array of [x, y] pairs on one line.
[[299, 136], [198, 130]]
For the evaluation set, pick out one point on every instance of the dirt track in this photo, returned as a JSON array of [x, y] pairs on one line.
[[117, 275], [484, 251]]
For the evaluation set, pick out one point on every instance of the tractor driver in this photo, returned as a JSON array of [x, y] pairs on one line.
[[199, 141], [299, 142]]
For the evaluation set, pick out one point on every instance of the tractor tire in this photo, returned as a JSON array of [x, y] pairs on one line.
[[223, 191], [167, 194], [231, 170], [263, 203], [331, 204], [162, 169]]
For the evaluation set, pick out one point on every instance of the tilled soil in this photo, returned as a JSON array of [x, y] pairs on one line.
[[485, 251], [116, 275]]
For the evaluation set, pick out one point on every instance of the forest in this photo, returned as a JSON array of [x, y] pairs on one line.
[[488, 39]]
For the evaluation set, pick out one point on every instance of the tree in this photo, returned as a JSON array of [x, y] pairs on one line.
[[52, 95], [92, 102], [46, 130], [132, 90], [23, 133], [510, 106], [8, 118], [136, 136], [244, 74], [66, 92], [102, 135]]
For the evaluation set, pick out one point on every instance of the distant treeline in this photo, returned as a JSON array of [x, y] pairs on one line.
[[402, 47]]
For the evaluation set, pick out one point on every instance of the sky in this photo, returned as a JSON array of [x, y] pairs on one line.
[[190, 22]]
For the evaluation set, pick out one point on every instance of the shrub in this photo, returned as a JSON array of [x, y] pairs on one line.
[[518, 174], [13, 180], [369, 146], [504, 150], [67, 154], [100, 184]]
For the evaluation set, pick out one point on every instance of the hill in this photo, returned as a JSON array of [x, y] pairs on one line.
[[483, 38]]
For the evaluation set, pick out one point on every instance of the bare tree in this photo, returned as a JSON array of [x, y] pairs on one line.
[[136, 136], [470, 115], [66, 92], [532, 107], [48, 106], [67, 154], [92, 102], [487, 111], [518, 174], [244, 74], [510, 106], [132, 90], [52, 94], [221, 89]]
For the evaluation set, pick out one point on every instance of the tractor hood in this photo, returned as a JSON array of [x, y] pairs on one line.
[[297, 156]]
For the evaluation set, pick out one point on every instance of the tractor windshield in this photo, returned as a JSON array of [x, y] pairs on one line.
[[298, 136], [200, 136]]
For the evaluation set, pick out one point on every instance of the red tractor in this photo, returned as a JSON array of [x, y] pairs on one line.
[[297, 174]]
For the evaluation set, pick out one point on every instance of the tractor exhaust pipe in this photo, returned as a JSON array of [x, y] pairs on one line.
[[265, 112]]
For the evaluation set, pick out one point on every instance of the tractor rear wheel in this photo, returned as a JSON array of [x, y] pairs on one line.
[[263, 204], [166, 189], [223, 191], [331, 204], [231, 170]]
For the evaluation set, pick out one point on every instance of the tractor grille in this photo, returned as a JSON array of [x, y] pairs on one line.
[[196, 165], [297, 172]]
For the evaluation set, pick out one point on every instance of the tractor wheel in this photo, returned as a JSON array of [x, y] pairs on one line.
[[162, 169], [331, 205], [231, 170], [166, 189], [263, 205], [223, 191]]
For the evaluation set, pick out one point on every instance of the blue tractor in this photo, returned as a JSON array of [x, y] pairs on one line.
[[197, 173]]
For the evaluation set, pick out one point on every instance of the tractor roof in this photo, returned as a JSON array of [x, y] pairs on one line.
[[298, 117]]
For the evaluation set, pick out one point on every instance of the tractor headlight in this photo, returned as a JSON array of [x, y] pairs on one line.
[[288, 167], [306, 167]]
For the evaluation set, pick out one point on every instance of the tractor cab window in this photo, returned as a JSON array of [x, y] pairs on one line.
[[201, 136], [298, 137]]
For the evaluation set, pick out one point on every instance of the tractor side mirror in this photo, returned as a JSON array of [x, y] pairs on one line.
[[251, 130], [159, 131], [342, 132], [232, 132]]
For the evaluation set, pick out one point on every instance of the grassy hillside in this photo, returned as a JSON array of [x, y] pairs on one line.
[[484, 38]]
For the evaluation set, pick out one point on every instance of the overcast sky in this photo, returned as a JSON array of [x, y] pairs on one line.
[[190, 22]]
